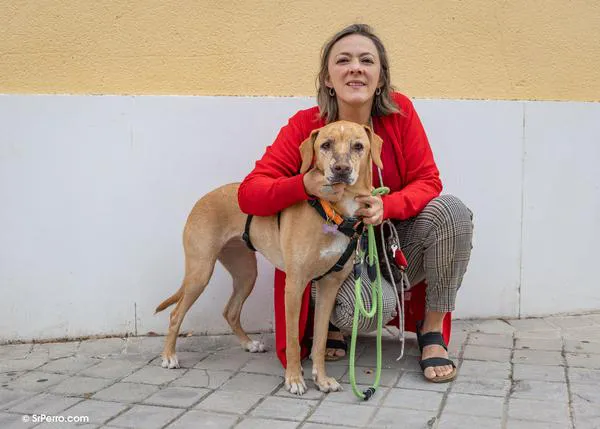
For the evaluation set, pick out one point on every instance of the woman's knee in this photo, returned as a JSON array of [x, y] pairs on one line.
[[448, 210]]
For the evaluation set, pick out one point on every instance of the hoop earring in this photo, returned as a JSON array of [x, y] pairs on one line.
[[378, 91], [331, 92]]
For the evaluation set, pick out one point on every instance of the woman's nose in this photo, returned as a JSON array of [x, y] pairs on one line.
[[355, 66]]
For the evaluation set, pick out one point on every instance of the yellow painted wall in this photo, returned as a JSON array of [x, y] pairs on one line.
[[520, 49]]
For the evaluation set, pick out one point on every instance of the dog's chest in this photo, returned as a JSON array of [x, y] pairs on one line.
[[336, 246]]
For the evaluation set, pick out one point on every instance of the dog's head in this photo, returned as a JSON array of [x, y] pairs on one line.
[[343, 151]]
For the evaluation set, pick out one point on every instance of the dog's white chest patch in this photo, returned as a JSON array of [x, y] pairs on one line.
[[349, 205], [337, 246]]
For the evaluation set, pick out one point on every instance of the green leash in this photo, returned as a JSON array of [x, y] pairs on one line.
[[359, 307]]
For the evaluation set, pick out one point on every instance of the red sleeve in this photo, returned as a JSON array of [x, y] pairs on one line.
[[422, 178], [275, 184]]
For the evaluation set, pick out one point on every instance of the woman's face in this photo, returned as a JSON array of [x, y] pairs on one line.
[[354, 70]]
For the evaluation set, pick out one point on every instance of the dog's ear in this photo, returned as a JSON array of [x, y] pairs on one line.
[[307, 151], [376, 144]]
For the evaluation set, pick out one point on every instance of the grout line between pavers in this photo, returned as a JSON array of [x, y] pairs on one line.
[[569, 392], [505, 406]]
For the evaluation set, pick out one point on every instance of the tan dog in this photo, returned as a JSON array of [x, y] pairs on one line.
[[296, 245]]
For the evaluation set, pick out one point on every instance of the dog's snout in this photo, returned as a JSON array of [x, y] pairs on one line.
[[342, 169]]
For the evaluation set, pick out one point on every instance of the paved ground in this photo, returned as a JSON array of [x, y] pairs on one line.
[[534, 373]]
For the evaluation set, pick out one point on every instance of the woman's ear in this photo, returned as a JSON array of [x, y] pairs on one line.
[[376, 144], [307, 151]]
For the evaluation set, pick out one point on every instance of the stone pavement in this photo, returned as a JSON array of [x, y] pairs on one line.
[[531, 373]]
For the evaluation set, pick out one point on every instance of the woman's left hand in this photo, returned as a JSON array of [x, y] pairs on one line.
[[371, 209]]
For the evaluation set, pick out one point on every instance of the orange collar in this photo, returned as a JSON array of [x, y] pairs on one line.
[[330, 212]]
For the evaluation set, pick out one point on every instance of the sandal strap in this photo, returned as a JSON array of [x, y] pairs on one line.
[[336, 344], [435, 361], [430, 339]]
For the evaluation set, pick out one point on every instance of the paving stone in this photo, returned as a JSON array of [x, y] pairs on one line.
[[97, 411], [393, 418], [230, 361], [413, 399], [231, 402], [335, 371], [547, 335], [256, 423], [101, 348], [268, 364], [484, 369], [586, 392], [481, 386], [366, 375], [531, 325], [460, 421], [58, 350], [475, 405], [590, 333], [154, 375], [191, 419], [491, 340], [15, 351], [529, 389], [284, 408], [147, 417], [12, 365], [36, 381], [80, 386], [69, 365], [111, 368], [211, 379], [416, 380], [45, 403], [14, 421], [538, 372], [186, 359], [588, 423], [353, 415], [319, 426], [538, 357], [555, 344], [583, 360], [486, 353], [253, 383], [541, 411], [144, 346], [584, 376], [493, 327], [7, 377], [347, 396], [574, 346], [528, 424], [9, 398], [569, 322], [126, 392], [584, 409], [182, 397], [66, 426]]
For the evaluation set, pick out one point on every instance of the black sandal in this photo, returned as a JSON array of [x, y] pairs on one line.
[[429, 339], [335, 344]]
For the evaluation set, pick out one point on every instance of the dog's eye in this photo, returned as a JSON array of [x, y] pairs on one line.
[[326, 145], [358, 146]]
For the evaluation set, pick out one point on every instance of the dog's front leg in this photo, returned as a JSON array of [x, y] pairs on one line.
[[294, 289], [327, 289]]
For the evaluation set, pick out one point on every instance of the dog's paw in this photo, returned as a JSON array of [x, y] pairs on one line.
[[328, 384], [295, 384], [170, 362], [255, 347]]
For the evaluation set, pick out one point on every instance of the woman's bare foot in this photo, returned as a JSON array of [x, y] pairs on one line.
[[336, 353]]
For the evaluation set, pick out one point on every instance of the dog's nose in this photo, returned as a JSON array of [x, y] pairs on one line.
[[341, 169]]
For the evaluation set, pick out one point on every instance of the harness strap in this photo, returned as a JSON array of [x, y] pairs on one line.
[[339, 265], [347, 226], [246, 234]]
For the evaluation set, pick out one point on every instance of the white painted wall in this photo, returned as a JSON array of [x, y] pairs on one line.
[[94, 193]]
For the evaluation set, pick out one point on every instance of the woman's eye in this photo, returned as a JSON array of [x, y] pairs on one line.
[[342, 60], [358, 146], [368, 61], [326, 146]]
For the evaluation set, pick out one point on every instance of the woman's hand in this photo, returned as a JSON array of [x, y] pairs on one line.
[[371, 209], [316, 185]]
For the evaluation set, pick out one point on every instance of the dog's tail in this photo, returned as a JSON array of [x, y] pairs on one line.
[[169, 301]]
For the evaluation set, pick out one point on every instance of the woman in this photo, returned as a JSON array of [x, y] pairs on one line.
[[354, 85]]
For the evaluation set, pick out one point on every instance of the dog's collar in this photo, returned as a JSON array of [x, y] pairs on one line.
[[349, 226]]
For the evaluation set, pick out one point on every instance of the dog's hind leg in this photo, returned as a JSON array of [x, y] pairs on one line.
[[240, 262], [198, 273]]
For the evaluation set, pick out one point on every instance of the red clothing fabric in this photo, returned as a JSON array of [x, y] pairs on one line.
[[409, 170]]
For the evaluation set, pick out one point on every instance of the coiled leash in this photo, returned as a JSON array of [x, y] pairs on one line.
[[374, 274]]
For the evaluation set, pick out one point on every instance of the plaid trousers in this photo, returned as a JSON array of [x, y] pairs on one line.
[[437, 244]]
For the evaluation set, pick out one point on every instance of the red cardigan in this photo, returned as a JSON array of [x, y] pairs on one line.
[[409, 170]]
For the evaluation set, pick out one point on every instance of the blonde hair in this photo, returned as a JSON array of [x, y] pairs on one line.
[[382, 104]]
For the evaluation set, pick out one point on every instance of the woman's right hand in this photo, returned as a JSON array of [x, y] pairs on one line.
[[316, 185]]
